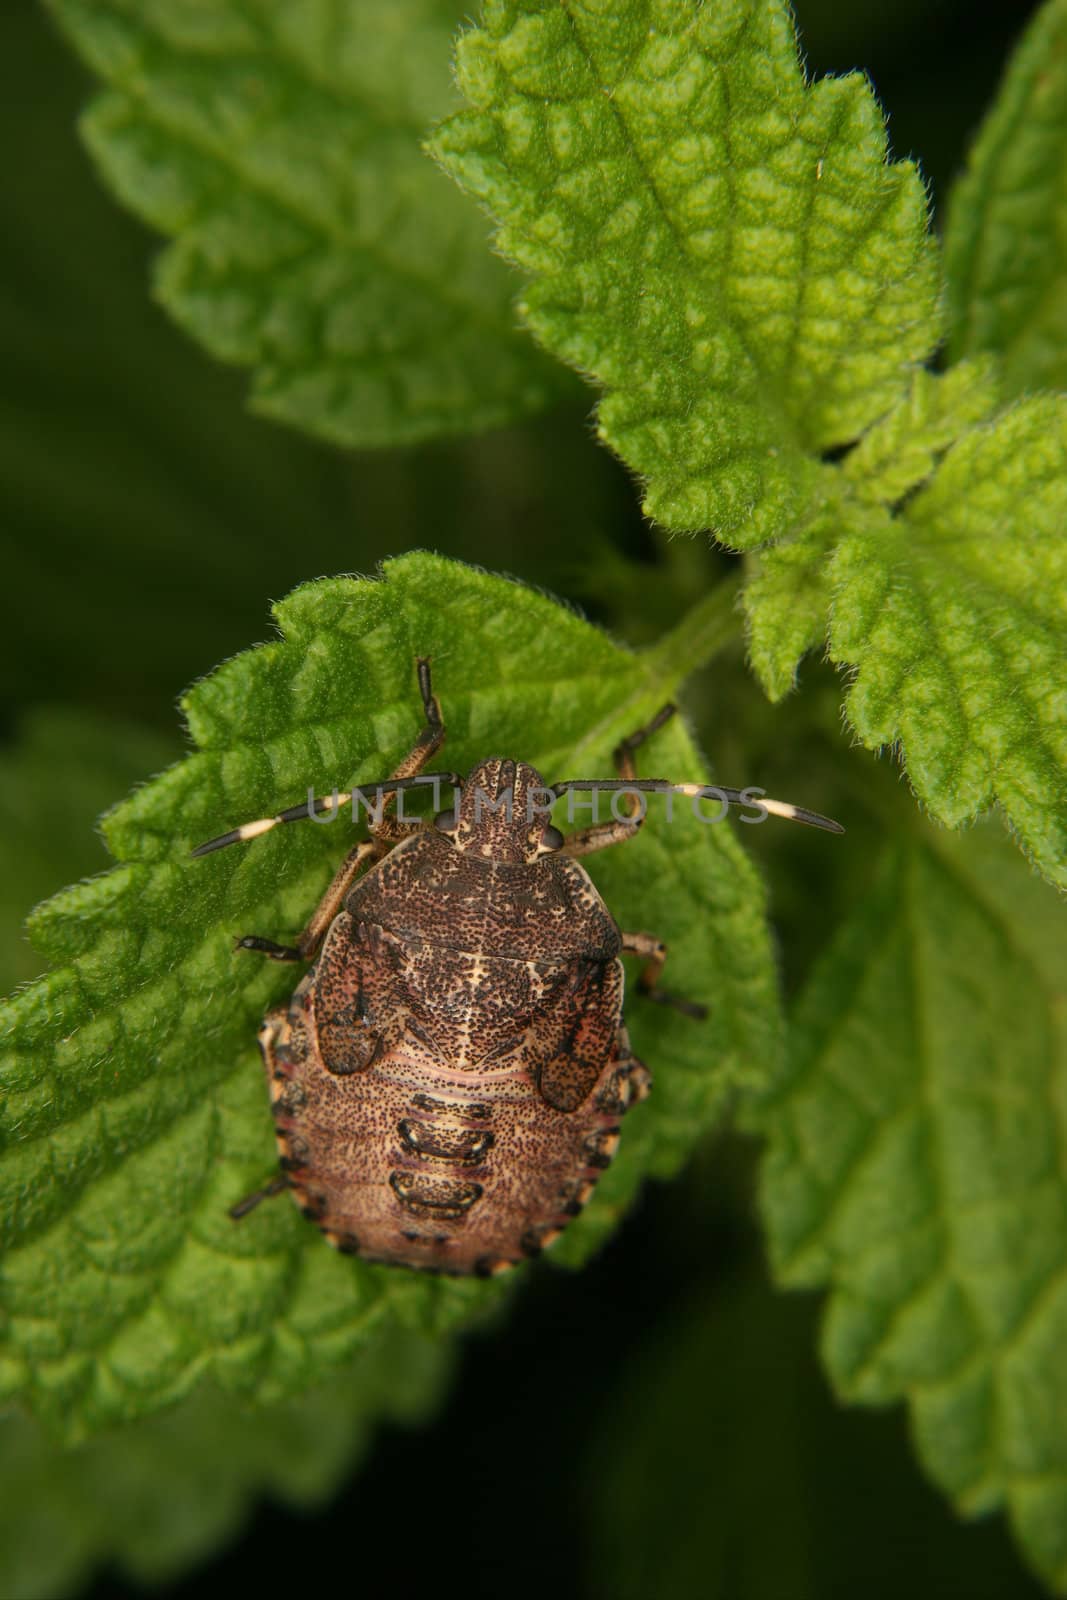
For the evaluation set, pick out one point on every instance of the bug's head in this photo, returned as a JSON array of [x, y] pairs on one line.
[[503, 813]]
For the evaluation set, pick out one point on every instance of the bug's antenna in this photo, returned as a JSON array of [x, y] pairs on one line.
[[314, 805], [251, 1201], [734, 797]]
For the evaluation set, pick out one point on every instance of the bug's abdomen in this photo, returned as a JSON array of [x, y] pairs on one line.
[[464, 1133], [409, 1165]]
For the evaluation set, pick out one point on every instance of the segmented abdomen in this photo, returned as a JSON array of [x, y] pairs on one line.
[[443, 1135]]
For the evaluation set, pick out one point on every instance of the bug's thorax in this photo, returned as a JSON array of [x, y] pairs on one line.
[[429, 892]]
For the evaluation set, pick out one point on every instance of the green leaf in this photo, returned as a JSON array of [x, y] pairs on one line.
[[718, 244], [938, 555], [788, 594], [135, 1109], [954, 619], [917, 1165], [153, 437], [1005, 239], [158, 1496], [787, 597], [277, 143]]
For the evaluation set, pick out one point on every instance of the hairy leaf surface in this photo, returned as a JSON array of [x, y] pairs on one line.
[[917, 1165], [717, 243], [135, 1111], [277, 143], [937, 569]]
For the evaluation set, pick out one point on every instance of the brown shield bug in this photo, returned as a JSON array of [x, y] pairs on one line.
[[448, 1078]]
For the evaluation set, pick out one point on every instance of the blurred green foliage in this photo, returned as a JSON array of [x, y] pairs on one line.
[[156, 1498], [732, 1475], [280, 146], [59, 771], [148, 520]]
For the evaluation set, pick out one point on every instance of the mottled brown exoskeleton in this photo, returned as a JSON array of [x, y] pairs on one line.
[[448, 1079]]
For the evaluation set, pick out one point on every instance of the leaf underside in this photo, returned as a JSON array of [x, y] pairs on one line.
[[135, 1111], [277, 143], [917, 1164]]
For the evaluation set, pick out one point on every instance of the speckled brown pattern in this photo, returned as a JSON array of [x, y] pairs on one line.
[[448, 1078]]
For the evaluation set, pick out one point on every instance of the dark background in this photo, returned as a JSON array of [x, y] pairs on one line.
[[656, 1425]]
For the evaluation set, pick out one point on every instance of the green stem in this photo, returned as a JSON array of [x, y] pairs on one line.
[[708, 627]]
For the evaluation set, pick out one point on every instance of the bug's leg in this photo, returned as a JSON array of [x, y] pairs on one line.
[[276, 1185], [602, 834], [389, 829], [407, 776], [623, 1083], [624, 752], [268, 947], [324, 913], [654, 953], [273, 1033], [330, 904], [384, 833], [599, 836], [630, 1081]]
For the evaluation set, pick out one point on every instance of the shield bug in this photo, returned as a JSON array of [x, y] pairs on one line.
[[448, 1078]]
